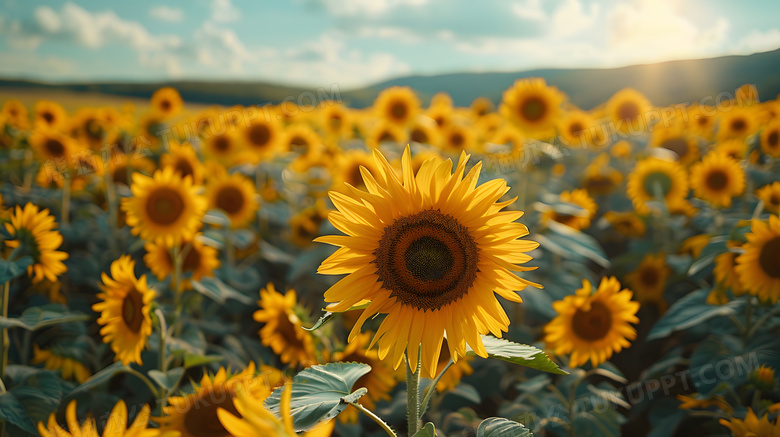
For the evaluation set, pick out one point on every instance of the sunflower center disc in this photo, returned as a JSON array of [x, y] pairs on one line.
[[54, 147], [628, 111], [738, 125], [201, 419], [533, 108], [230, 200], [576, 128], [184, 168], [657, 179], [457, 140], [772, 139], [398, 110], [594, 324], [259, 135], [427, 260], [165, 105], [769, 259], [717, 180], [164, 206], [222, 144], [48, 116], [677, 145], [419, 136], [649, 276], [131, 310]]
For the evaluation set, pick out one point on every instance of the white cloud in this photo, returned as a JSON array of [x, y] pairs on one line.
[[757, 41], [223, 11], [222, 47], [529, 10], [166, 13], [571, 18], [369, 8]]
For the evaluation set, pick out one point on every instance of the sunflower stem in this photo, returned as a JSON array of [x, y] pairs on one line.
[[432, 388], [413, 395], [113, 211], [176, 256], [375, 418], [760, 322], [145, 380], [28, 172], [748, 316], [163, 362], [4, 344], [66, 199]]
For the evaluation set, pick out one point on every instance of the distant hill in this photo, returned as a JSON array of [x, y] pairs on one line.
[[664, 83]]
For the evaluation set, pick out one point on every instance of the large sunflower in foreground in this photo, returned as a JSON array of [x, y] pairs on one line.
[[282, 329], [196, 414], [592, 325], [752, 426], [649, 280], [717, 179], [234, 195], [759, 267], [124, 309], [532, 105], [164, 208], [35, 231], [429, 250], [248, 418], [652, 177], [116, 424]]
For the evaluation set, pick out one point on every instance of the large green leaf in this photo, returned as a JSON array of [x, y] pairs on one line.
[[42, 316], [571, 243], [99, 378], [13, 412], [500, 427], [218, 291], [11, 269], [167, 380], [517, 353], [689, 311], [427, 431], [320, 393]]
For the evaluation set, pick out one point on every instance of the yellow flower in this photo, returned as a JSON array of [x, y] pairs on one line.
[[234, 195], [282, 329], [717, 179], [736, 124], [425, 131], [71, 368], [751, 426], [184, 161], [701, 120], [532, 105], [628, 109], [621, 149], [726, 274], [653, 177], [482, 106], [457, 137], [336, 120], [347, 169], [759, 267], [116, 425], [199, 260], [676, 139], [34, 234], [15, 114], [592, 325], [575, 197], [249, 418], [734, 149], [770, 195], [600, 178], [164, 208], [694, 245], [262, 139], [52, 145], [649, 280], [770, 139], [458, 370], [397, 105], [429, 251], [166, 102], [578, 130], [385, 132], [50, 115], [225, 148], [627, 223], [691, 403], [124, 309], [763, 378]]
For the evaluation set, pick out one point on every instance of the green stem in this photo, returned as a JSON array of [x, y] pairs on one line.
[[413, 395], [432, 388], [113, 210], [163, 362], [375, 418], [4, 345], [66, 199], [145, 380], [760, 322], [178, 257], [748, 315]]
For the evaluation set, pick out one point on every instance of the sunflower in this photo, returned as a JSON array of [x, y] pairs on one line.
[[649, 280], [628, 109], [301, 139], [678, 141], [601, 179], [763, 378], [197, 414], [235, 196], [124, 310], [717, 179], [380, 381], [72, 369], [579, 198], [759, 267], [592, 325], [248, 418], [701, 120], [164, 208], [441, 114], [441, 99], [15, 114], [734, 149], [487, 125], [736, 124], [87, 126], [726, 273], [225, 148], [457, 137], [510, 136], [51, 145], [262, 139], [121, 168], [33, 232], [116, 424], [425, 131], [397, 105], [166, 102], [694, 245], [770, 195], [577, 129], [282, 329], [199, 260], [621, 149], [770, 139], [691, 403], [652, 177], [482, 106], [532, 105], [430, 242], [384, 132], [336, 120], [626, 223], [752, 426], [50, 115]]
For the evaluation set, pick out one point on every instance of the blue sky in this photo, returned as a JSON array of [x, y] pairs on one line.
[[359, 42]]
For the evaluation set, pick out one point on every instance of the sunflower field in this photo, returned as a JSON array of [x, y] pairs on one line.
[[522, 269]]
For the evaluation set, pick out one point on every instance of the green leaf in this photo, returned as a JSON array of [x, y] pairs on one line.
[[12, 269], [195, 360], [167, 380], [329, 315], [689, 311], [570, 243], [517, 353], [99, 378], [13, 412], [500, 427], [35, 318], [319, 393], [427, 431], [219, 292]]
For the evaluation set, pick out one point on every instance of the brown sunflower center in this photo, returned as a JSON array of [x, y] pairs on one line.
[[774, 199], [717, 180], [427, 260], [191, 260], [576, 128], [628, 111], [594, 324], [164, 206], [769, 259], [418, 135], [165, 105], [183, 167], [54, 147], [120, 175], [93, 129], [230, 199], [131, 310], [649, 277], [221, 143], [677, 145], [259, 135], [533, 108], [738, 125], [457, 140], [398, 110], [599, 184], [335, 121], [566, 219], [386, 136], [201, 418], [48, 116], [772, 139]]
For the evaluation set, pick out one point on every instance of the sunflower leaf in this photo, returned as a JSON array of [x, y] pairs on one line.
[[499, 427], [517, 353], [11, 269], [690, 311], [218, 291], [35, 318], [319, 393], [167, 380], [14, 413], [427, 431]]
